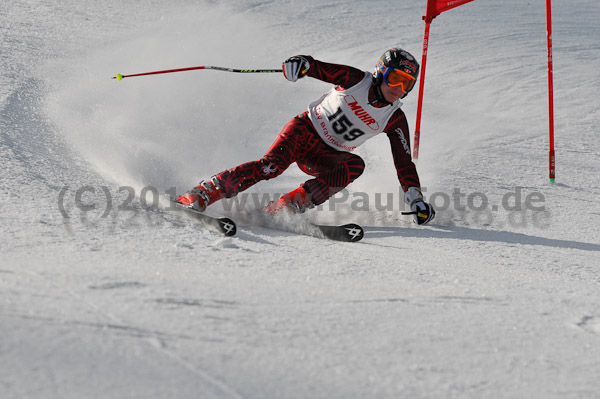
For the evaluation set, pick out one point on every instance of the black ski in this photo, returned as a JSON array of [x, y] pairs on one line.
[[221, 225], [348, 232]]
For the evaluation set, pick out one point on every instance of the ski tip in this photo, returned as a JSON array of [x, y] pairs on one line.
[[350, 232], [224, 225], [227, 226], [354, 232]]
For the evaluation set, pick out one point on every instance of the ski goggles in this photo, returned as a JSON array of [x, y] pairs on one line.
[[395, 77]]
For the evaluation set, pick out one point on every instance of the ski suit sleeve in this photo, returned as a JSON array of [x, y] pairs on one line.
[[398, 133], [343, 76]]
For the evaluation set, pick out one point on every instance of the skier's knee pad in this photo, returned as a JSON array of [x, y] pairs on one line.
[[355, 167]]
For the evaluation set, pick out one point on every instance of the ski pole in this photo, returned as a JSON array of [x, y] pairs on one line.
[[119, 76]]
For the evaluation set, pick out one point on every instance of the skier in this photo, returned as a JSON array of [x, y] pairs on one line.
[[320, 140]]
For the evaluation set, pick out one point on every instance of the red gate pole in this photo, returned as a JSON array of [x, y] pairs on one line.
[[421, 88], [552, 160]]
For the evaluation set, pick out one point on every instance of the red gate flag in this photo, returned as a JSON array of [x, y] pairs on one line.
[[434, 8]]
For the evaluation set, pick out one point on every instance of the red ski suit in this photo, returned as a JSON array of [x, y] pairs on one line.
[[299, 142]]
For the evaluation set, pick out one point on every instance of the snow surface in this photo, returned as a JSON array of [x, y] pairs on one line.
[[119, 301]]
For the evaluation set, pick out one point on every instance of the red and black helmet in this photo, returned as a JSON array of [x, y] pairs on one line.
[[397, 67]]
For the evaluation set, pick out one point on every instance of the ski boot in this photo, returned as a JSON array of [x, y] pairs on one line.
[[297, 201], [201, 196]]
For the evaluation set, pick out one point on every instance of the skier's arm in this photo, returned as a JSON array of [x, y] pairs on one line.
[[397, 131], [304, 65], [398, 134]]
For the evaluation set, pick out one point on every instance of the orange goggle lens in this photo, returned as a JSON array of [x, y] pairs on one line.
[[395, 77]]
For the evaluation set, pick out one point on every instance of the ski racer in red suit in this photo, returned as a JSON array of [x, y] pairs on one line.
[[320, 140]]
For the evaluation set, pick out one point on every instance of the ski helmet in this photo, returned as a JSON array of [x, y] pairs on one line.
[[397, 67]]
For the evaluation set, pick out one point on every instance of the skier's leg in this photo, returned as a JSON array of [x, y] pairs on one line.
[[333, 171], [289, 144]]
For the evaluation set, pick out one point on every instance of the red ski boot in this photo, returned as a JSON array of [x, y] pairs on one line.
[[201, 196], [296, 201]]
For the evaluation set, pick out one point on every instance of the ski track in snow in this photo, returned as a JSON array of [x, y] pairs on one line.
[[107, 297]]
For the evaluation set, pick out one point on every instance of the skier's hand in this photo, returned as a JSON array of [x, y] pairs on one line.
[[295, 68], [422, 211]]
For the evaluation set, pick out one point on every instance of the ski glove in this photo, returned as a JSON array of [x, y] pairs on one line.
[[422, 212], [295, 68]]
